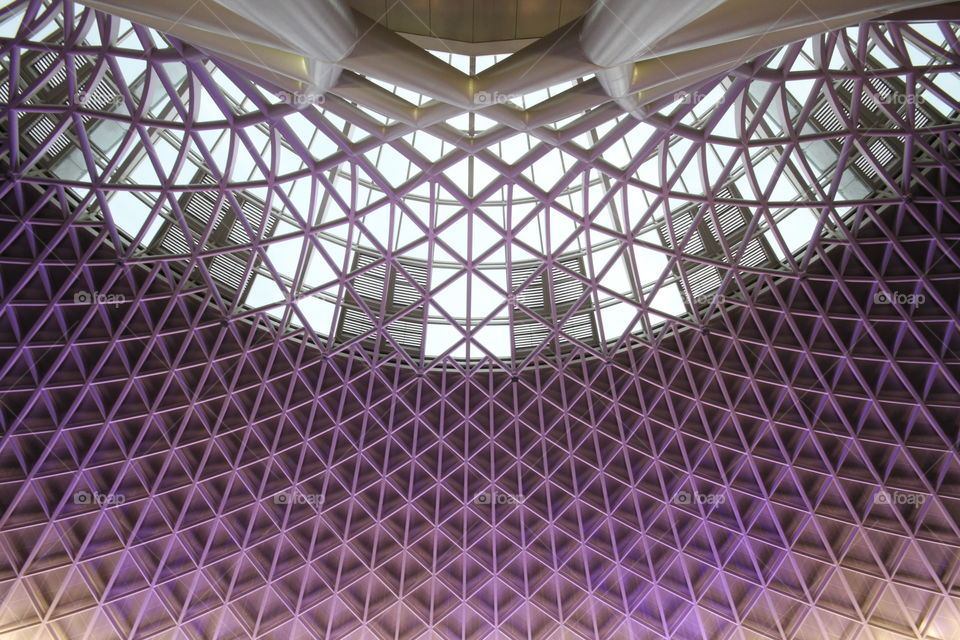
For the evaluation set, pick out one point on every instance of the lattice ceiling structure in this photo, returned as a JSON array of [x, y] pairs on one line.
[[363, 355]]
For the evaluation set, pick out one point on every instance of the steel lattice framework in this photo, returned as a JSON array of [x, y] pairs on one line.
[[244, 397]]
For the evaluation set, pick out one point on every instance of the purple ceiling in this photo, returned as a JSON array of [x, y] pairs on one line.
[[779, 462]]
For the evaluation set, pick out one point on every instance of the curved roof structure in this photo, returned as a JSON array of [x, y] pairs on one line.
[[549, 357]]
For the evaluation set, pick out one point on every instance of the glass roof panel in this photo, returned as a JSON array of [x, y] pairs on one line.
[[592, 232]]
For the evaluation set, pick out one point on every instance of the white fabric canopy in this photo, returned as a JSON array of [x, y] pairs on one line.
[[640, 51], [648, 50], [317, 35]]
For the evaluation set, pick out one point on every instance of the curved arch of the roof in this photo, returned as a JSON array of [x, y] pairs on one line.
[[217, 223]]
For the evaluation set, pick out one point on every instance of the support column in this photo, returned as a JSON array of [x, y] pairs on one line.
[[647, 50]]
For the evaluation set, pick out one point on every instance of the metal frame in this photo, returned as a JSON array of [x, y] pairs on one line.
[[779, 461]]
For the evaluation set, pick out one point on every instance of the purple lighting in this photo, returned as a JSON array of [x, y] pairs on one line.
[[278, 368]]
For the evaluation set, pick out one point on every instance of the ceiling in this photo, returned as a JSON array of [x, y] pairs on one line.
[[473, 26], [214, 424]]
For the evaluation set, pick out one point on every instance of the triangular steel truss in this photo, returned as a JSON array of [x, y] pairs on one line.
[[776, 458]]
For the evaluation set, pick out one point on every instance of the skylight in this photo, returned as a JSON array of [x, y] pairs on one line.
[[466, 236]]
